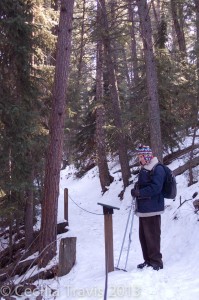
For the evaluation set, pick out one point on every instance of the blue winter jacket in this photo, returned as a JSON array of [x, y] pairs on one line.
[[150, 201]]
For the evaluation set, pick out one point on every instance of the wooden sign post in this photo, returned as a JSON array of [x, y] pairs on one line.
[[108, 235]]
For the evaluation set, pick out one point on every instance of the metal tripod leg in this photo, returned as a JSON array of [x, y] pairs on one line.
[[130, 240], [124, 236], [130, 234]]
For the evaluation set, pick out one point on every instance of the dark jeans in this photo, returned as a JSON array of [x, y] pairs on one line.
[[149, 234]]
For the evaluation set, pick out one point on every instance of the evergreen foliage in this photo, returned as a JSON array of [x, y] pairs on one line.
[[22, 106]]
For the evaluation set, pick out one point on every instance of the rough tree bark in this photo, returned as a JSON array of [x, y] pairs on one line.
[[29, 214], [151, 73], [120, 136], [54, 154]]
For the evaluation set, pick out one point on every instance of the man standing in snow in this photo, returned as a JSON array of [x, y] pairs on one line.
[[149, 207]]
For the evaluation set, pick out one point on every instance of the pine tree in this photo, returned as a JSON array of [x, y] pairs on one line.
[[18, 107], [151, 73]]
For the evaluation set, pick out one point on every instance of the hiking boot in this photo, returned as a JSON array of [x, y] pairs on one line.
[[143, 265], [157, 267]]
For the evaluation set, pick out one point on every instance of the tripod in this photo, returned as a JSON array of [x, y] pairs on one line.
[[132, 211]]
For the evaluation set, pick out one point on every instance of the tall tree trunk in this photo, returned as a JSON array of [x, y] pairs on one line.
[[197, 49], [125, 66], [105, 178], [118, 49], [71, 134], [133, 44], [114, 43], [54, 154], [120, 136], [151, 73], [29, 214], [178, 29], [51, 60], [81, 43]]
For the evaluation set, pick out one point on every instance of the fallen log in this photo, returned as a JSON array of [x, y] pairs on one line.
[[18, 247], [45, 274], [27, 284], [190, 164], [172, 156], [16, 269]]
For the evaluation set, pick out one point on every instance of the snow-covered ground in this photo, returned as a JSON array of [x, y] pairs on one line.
[[179, 280]]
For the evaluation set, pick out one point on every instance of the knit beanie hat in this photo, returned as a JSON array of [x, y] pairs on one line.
[[145, 151]]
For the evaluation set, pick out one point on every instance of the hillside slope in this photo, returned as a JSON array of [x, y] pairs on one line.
[[179, 280]]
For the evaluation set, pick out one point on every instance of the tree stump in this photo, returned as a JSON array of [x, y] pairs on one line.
[[67, 255]]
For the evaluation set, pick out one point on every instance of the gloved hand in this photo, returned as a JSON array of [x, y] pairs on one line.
[[135, 193]]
